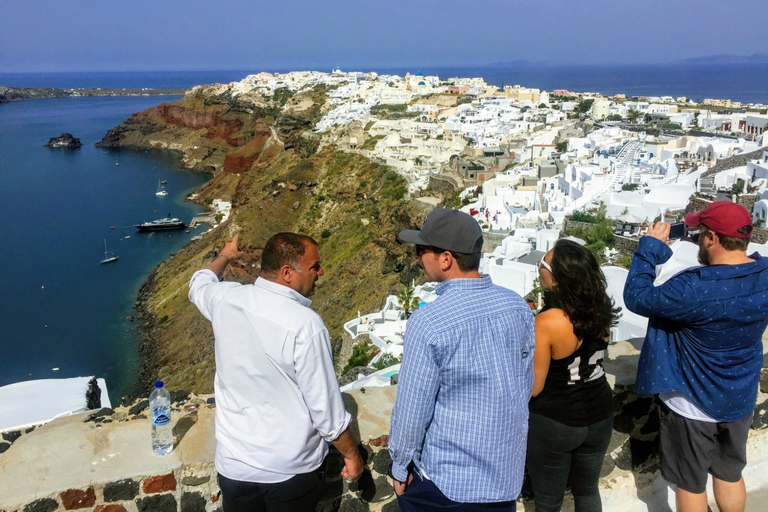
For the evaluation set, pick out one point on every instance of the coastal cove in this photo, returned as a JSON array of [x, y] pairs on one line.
[[63, 314]]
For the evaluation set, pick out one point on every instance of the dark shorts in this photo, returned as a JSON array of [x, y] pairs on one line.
[[690, 450], [300, 493]]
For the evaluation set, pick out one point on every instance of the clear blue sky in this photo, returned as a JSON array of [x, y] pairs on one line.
[[121, 35]]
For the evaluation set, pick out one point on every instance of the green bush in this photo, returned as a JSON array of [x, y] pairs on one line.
[[623, 260], [582, 216], [282, 95], [386, 361], [362, 353], [598, 236], [325, 234]]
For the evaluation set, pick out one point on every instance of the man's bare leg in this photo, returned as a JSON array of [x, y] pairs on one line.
[[690, 502], [730, 496]]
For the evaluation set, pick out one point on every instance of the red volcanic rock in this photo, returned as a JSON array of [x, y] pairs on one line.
[[109, 508], [380, 441], [160, 483], [227, 129], [77, 498], [187, 117], [241, 159]]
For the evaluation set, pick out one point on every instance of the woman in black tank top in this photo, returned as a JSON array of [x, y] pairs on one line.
[[571, 411]]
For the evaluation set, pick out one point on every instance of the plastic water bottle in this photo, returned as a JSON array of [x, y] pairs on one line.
[[162, 431]]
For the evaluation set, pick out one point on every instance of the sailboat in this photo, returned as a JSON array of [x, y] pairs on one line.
[[108, 258], [160, 189]]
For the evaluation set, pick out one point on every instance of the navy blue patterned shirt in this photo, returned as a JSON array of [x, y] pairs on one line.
[[461, 412], [705, 330]]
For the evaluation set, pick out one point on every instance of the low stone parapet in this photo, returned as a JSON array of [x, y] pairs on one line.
[[101, 461]]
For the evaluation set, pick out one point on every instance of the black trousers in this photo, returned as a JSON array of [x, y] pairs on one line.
[[297, 494], [558, 454]]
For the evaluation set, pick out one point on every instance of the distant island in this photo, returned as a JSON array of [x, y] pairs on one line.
[[8, 94], [519, 63], [65, 140], [722, 58]]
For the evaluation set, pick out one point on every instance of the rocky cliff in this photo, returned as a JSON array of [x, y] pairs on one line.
[[265, 159]]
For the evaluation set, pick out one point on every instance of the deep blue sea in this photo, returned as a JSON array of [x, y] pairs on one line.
[[60, 309], [739, 82]]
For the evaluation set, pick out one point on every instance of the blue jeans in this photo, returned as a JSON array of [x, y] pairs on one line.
[[422, 495], [559, 454]]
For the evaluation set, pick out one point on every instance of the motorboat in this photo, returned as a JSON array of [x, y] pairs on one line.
[[166, 224]]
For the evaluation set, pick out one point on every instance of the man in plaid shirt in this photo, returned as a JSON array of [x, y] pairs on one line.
[[460, 419]]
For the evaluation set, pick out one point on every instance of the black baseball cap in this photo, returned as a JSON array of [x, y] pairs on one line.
[[450, 230]]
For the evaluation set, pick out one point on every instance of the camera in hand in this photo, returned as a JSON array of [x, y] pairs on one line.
[[677, 231]]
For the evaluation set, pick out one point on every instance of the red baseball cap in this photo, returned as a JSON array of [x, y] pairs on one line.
[[725, 218]]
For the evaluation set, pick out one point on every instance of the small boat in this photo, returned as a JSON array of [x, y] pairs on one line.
[[165, 224], [108, 257], [164, 182], [160, 189]]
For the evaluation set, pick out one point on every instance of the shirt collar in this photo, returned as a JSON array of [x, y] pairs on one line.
[[728, 271], [283, 290], [463, 284]]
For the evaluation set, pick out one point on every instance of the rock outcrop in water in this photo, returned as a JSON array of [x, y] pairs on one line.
[[264, 158], [65, 140]]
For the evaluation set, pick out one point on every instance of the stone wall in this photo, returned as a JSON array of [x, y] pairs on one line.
[[734, 161], [492, 241], [625, 244], [696, 204], [65, 465], [444, 183], [101, 462], [760, 235], [172, 492], [569, 224], [747, 201]]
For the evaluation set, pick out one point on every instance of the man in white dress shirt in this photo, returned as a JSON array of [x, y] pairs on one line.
[[278, 403]]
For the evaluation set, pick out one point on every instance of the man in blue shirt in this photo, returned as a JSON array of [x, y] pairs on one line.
[[460, 418], [703, 352]]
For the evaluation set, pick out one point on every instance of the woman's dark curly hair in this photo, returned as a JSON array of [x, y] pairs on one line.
[[580, 291]]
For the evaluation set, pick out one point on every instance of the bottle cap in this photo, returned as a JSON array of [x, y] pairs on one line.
[[159, 384]]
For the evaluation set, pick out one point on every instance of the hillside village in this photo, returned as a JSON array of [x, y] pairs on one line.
[[532, 166]]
